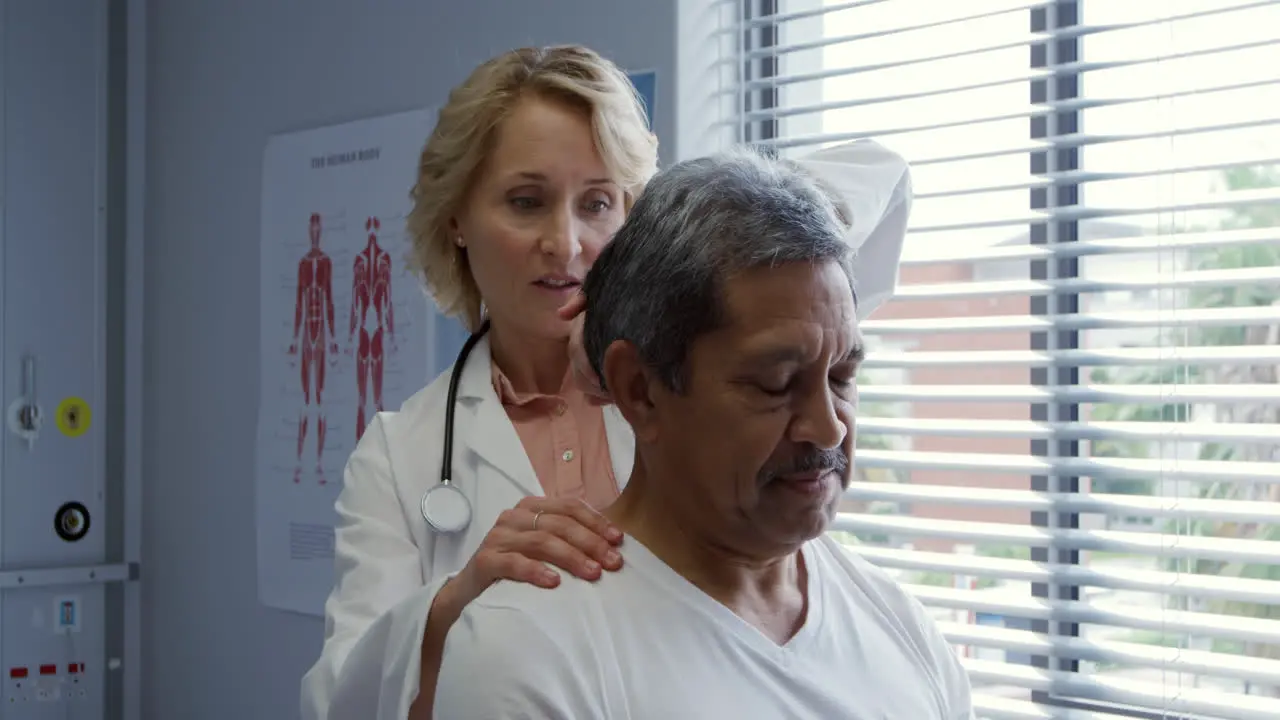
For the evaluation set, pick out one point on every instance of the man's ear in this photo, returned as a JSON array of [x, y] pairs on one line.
[[631, 387]]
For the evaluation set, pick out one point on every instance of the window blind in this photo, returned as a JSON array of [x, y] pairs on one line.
[[1069, 430]]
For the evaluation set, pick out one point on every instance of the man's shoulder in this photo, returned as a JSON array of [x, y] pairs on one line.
[[532, 645], [538, 624], [509, 617], [571, 606]]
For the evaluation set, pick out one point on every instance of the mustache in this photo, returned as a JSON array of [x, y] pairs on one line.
[[832, 459]]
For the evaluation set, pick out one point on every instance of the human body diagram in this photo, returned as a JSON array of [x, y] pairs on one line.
[[371, 290], [314, 342]]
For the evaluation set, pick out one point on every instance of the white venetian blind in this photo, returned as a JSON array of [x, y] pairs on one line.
[[1069, 436]]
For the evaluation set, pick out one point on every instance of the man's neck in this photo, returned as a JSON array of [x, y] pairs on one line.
[[769, 593], [530, 365]]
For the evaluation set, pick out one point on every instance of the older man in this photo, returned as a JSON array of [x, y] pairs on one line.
[[723, 322]]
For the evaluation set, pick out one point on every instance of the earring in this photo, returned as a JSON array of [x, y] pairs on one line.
[[459, 242]]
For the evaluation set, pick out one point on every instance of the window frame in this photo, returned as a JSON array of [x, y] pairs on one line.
[[757, 37], [1056, 87]]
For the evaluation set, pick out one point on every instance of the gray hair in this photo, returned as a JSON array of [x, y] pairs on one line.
[[658, 284]]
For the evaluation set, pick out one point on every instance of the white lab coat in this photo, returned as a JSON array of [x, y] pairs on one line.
[[389, 564]]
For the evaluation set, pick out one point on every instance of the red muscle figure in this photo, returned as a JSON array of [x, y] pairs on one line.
[[371, 288], [313, 307]]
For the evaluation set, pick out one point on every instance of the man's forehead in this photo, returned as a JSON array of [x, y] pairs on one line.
[[787, 288], [774, 310]]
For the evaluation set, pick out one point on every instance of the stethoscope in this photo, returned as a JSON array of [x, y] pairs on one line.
[[446, 508]]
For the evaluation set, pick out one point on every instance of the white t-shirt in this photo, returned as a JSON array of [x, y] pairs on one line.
[[643, 643]]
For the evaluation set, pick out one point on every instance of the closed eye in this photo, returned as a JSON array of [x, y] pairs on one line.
[[773, 391], [844, 374]]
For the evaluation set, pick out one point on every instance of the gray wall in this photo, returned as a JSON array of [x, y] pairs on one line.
[[221, 76]]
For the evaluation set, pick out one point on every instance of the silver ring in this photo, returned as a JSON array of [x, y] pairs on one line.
[[535, 520]]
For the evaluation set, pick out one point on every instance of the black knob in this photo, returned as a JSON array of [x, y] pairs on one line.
[[71, 522]]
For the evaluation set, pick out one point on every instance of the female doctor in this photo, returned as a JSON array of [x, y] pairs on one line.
[[533, 163], [531, 168]]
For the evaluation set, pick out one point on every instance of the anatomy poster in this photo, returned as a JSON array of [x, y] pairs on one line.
[[346, 331]]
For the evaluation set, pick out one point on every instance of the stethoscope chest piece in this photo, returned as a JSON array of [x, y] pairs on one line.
[[445, 508]]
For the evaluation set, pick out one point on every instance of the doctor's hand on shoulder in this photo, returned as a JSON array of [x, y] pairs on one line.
[[564, 532]]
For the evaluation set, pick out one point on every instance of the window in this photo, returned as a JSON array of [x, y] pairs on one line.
[[1077, 464]]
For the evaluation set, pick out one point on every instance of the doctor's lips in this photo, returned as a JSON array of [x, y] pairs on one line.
[[561, 283]]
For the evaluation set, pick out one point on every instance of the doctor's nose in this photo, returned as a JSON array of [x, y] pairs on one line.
[[561, 236]]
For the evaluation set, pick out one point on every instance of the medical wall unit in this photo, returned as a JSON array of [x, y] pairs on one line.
[[63, 572]]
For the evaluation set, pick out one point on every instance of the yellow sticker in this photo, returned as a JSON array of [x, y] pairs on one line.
[[73, 417]]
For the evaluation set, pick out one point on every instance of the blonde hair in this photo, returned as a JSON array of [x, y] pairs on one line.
[[464, 136]]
